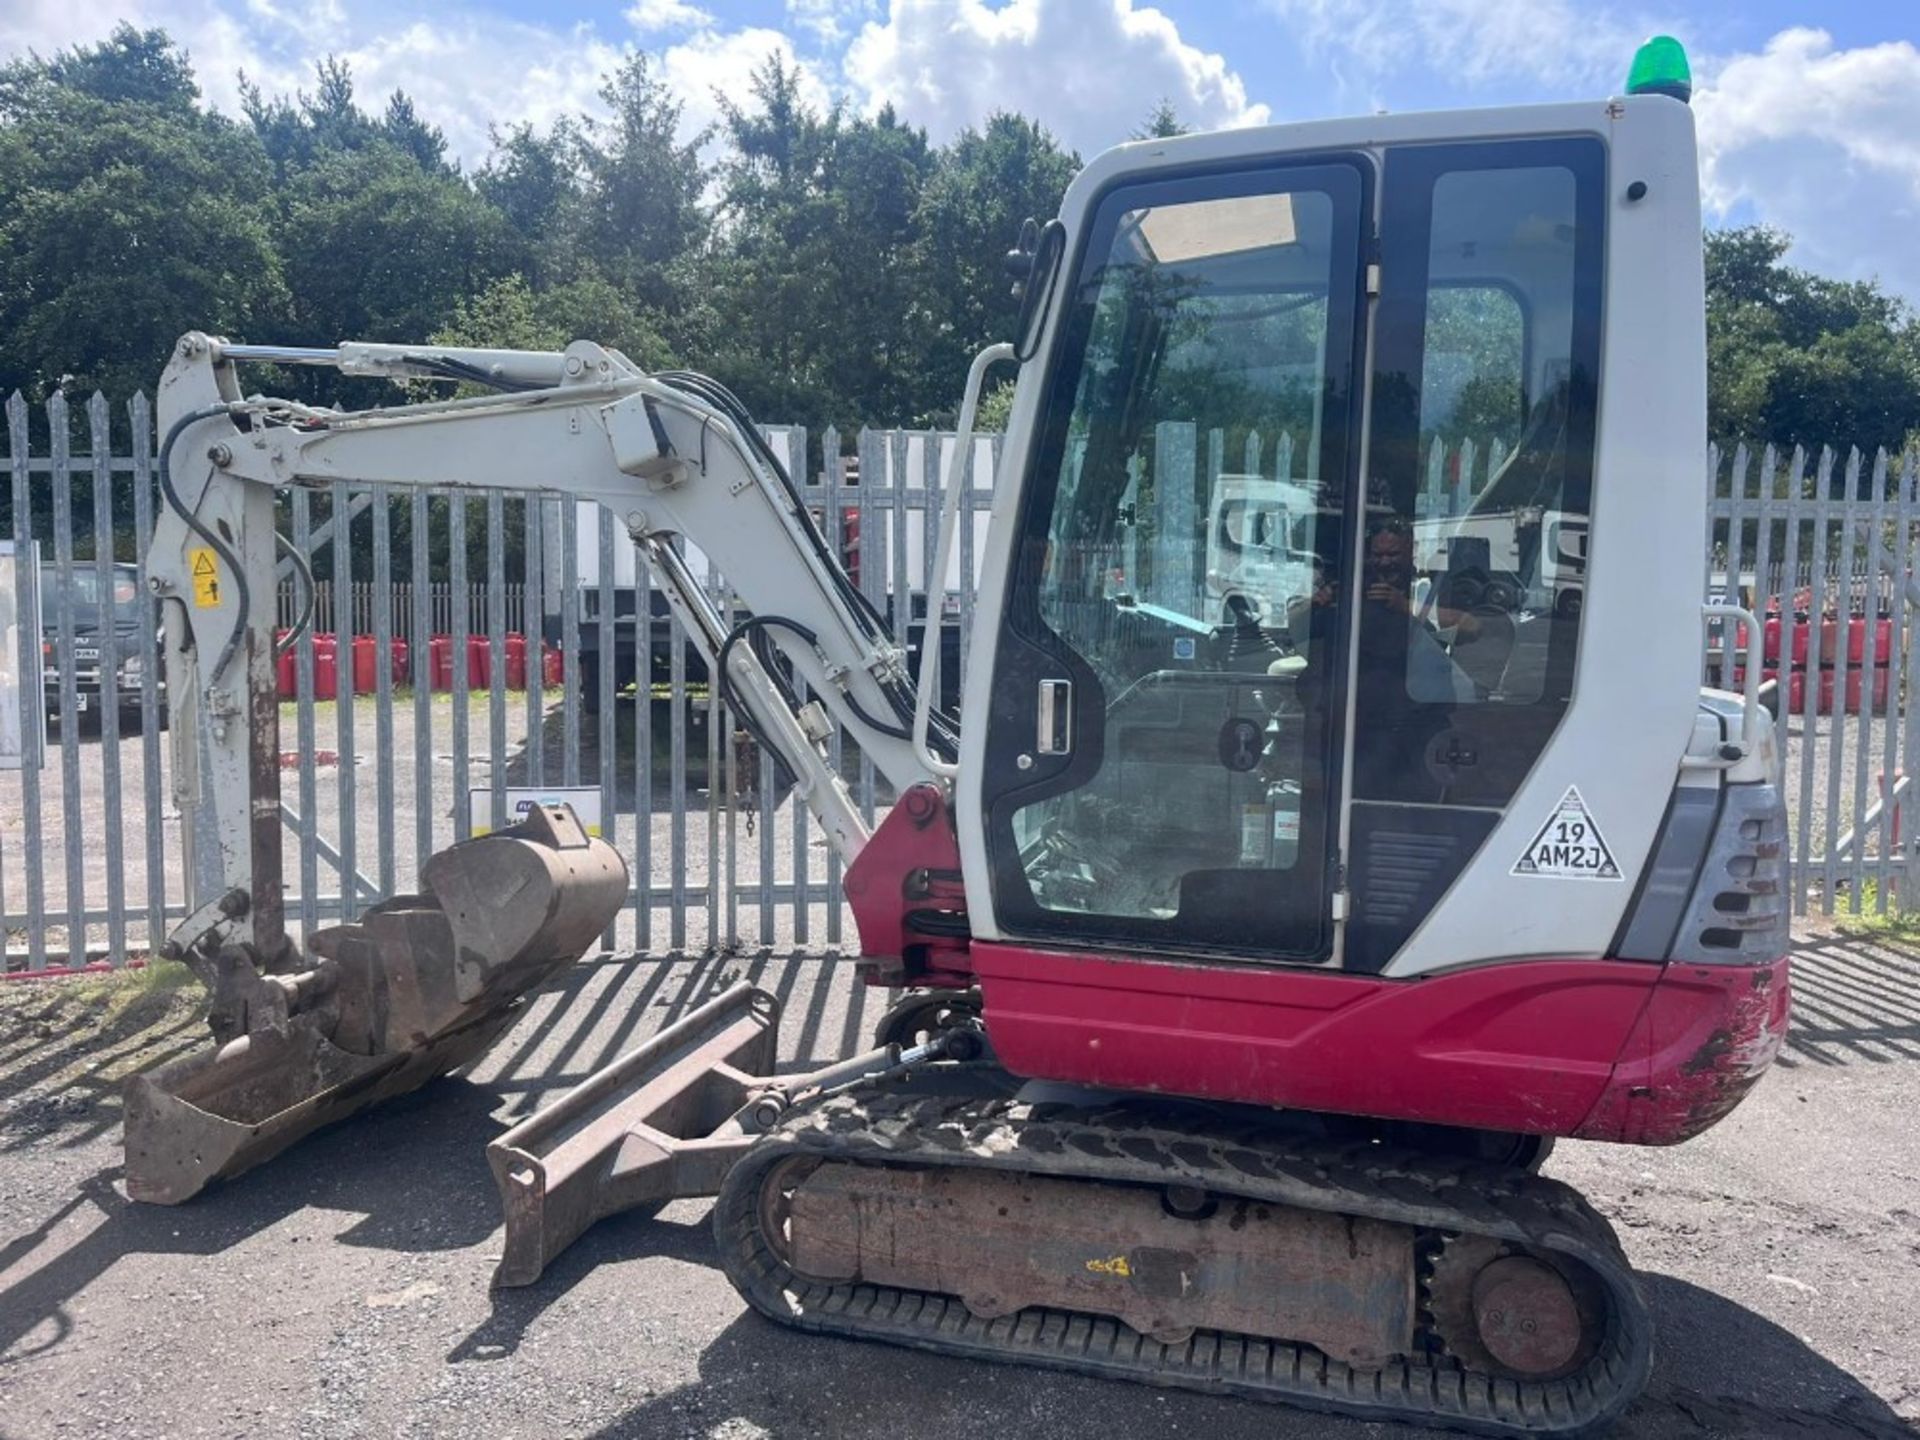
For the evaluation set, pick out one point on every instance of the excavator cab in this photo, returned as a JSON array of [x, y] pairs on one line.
[[1342, 321]]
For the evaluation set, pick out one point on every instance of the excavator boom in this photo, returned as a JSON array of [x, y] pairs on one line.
[[421, 984]]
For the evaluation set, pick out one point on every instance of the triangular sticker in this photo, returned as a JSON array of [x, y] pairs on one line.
[[1569, 846]]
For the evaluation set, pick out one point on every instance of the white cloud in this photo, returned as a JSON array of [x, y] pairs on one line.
[[1558, 44], [946, 64], [715, 63], [1822, 143], [464, 75], [46, 26], [649, 15], [829, 21]]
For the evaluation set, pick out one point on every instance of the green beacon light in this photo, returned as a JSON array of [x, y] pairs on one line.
[[1660, 68]]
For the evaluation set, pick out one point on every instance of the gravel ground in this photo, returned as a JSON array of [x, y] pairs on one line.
[[342, 1290]]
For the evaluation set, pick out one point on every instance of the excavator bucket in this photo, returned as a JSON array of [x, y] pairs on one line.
[[668, 1119], [416, 987]]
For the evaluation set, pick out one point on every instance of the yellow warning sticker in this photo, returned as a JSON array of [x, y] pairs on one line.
[[1116, 1266], [206, 578]]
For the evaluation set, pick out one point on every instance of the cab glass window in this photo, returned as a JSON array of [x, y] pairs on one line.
[[1476, 544], [1187, 507]]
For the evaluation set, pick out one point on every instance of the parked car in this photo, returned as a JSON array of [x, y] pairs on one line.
[[130, 612]]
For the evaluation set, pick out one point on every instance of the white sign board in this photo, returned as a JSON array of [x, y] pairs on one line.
[[13, 732], [584, 799]]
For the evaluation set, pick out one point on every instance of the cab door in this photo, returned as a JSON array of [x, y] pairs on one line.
[[1164, 759]]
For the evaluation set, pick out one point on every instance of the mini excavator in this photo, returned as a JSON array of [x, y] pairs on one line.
[[1251, 952]]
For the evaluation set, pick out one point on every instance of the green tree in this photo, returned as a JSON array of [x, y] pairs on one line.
[[1797, 358], [127, 216], [775, 237], [403, 128], [1162, 123], [376, 248], [644, 224], [511, 314], [380, 238], [982, 186], [537, 184]]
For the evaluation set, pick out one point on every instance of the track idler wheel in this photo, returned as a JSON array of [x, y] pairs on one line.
[[1511, 1312]]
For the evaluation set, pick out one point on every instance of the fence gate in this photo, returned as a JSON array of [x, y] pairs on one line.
[[1821, 547]]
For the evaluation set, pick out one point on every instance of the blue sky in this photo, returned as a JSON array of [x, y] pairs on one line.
[[1809, 112]]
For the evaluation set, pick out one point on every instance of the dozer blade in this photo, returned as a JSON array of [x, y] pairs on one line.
[[662, 1122], [417, 986]]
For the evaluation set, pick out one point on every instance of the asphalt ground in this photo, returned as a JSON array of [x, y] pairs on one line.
[[342, 1290]]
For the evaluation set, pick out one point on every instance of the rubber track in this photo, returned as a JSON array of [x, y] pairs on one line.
[[896, 1125]]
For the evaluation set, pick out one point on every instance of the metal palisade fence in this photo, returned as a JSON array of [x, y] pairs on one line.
[[472, 648], [502, 644], [1821, 545]]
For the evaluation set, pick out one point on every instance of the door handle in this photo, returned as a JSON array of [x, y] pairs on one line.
[[1055, 718]]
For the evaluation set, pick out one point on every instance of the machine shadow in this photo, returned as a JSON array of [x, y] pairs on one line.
[[414, 1169], [88, 1103], [1856, 999], [801, 1383], [619, 1237]]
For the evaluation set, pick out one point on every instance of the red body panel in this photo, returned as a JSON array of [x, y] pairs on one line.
[[908, 874], [1622, 1050], [1604, 1049]]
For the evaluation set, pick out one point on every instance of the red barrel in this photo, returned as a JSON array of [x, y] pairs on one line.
[[553, 668], [516, 662], [1770, 638], [1856, 690], [479, 663], [326, 668], [286, 668], [366, 659], [364, 656], [1857, 640], [440, 662]]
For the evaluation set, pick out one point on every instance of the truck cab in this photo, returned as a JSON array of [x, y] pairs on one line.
[[121, 608]]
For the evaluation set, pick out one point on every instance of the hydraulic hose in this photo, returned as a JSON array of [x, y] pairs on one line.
[[308, 589], [195, 524], [900, 697]]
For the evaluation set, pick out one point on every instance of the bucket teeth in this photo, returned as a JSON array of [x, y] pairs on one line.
[[415, 987]]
